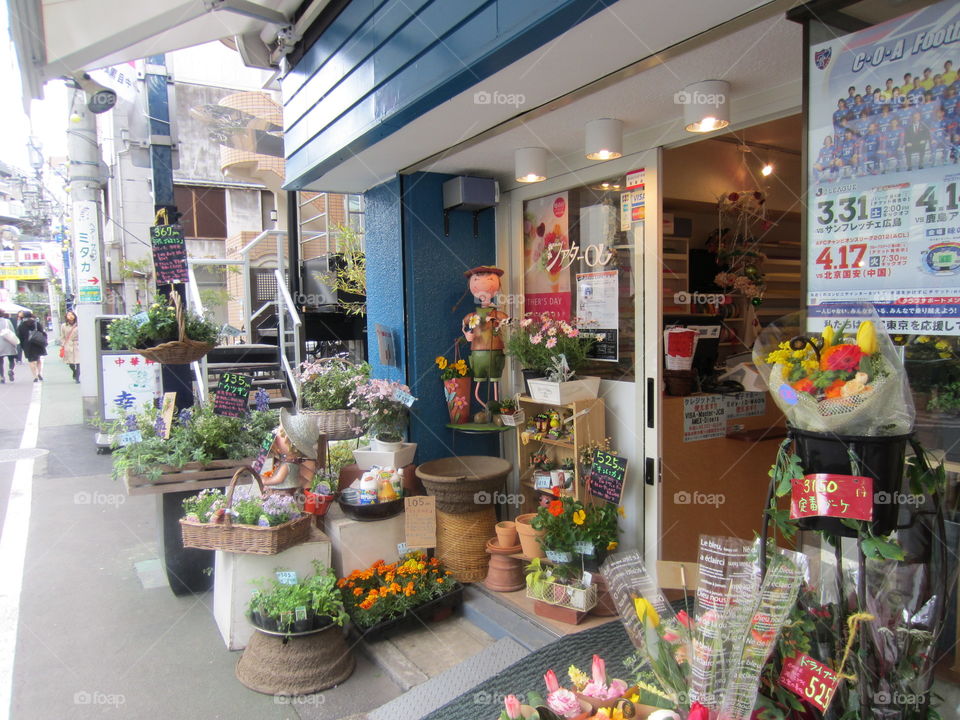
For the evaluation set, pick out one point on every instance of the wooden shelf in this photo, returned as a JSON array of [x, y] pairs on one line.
[[555, 443]]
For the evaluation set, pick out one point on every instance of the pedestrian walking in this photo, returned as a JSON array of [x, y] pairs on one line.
[[9, 346], [33, 340], [16, 329], [70, 344]]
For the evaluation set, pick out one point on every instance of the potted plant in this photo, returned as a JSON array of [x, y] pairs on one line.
[[560, 530], [529, 536], [312, 603], [320, 496], [382, 414], [598, 534], [556, 350], [325, 386], [456, 387], [165, 333], [509, 413]]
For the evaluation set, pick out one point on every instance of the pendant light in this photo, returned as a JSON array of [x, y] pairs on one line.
[[530, 164], [604, 139], [705, 106]]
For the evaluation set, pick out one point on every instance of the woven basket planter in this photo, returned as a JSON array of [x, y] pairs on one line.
[[250, 539], [177, 352], [462, 484], [462, 542], [336, 424]]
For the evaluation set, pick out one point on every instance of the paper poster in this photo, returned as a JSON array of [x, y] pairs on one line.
[[386, 348], [638, 204], [86, 243], [704, 417], [420, 521], [129, 381], [636, 178], [625, 219], [884, 212], [546, 282], [598, 296], [745, 404]]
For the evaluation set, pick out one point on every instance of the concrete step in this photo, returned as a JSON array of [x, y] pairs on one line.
[[487, 611], [215, 368], [246, 352]]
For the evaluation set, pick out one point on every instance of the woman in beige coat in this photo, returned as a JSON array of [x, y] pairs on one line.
[[70, 342]]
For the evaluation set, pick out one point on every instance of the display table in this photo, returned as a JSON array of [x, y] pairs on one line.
[[234, 574], [357, 545], [411, 483]]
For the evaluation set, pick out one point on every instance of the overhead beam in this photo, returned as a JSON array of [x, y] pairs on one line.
[[250, 10]]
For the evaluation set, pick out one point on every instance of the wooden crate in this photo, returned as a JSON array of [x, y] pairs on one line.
[[192, 476]]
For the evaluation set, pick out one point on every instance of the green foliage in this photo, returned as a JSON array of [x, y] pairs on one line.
[[35, 302], [317, 593], [557, 522], [946, 398], [160, 327], [200, 438], [352, 276], [326, 383]]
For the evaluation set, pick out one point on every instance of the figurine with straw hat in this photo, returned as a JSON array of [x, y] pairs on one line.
[[292, 458]]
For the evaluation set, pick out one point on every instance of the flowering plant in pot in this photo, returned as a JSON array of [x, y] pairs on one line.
[[326, 383], [311, 603], [455, 376], [539, 338], [559, 521], [599, 534], [382, 415]]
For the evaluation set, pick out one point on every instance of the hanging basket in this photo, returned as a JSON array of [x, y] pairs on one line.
[[250, 539], [340, 424], [177, 352]]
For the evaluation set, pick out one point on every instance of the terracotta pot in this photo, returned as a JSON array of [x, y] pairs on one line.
[[507, 533], [505, 573], [560, 614], [457, 393], [529, 538]]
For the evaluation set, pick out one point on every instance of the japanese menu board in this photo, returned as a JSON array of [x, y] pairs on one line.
[[884, 213], [607, 476], [169, 253], [231, 397]]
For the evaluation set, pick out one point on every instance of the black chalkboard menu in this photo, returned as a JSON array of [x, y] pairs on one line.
[[607, 476], [606, 349], [169, 254], [231, 398]]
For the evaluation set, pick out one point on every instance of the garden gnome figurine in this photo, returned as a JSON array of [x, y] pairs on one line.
[[293, 452], [481, 328]]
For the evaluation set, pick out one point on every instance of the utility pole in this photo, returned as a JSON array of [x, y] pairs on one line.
[[85, 178]]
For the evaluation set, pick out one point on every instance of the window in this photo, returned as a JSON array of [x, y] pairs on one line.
[[203, 211]]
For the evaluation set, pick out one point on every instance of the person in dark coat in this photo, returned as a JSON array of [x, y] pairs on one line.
[[916, 140], [33, 341], [9, 346]]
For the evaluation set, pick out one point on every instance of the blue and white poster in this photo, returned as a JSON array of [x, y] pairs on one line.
[[883, 211]]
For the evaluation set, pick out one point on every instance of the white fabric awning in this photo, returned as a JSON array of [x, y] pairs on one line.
[[55, 38]]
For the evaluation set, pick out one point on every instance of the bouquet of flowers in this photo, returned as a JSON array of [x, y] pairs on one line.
[[846, 380], [247, 508]]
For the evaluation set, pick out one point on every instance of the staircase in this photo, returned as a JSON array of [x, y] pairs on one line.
[[259, 361]]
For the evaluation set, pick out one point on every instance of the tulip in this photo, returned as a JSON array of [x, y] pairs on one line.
[[599, 670], [827, 336], [550, 678], [867, 337], [646, 611], [513, 707]]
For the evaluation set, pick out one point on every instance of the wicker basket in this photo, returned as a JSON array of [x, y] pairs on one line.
[[462, 543], [336, 424], [462, 484], [177, 352], [250, 539]]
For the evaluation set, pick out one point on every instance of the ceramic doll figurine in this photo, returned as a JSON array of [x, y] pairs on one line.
[[481, 328], [293, 453]]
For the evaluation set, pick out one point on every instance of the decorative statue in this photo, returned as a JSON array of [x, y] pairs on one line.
[[293, 454], [481, 328]]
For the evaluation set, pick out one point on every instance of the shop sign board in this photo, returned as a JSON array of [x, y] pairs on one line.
[[169, 254], [23, 272], [546, 244], [745, 404], [86, 244], [607, 476], [829, 495], [129, 382], [704, 417], [232, 396], [809, 680], [884, 211], [420, 521]]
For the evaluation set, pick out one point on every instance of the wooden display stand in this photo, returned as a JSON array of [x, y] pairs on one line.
[[589, 426]]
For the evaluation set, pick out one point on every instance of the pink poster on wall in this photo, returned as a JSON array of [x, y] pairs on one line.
[[546, 280]]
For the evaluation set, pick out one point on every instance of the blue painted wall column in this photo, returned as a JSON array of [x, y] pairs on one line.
[[414, 279]]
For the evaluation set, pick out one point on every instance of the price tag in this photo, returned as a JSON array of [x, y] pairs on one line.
[[140, 318], [262, 455], [286, 577], [420, 521], [809, 680], [130, 437], [169, 254], [300, 613], [607, 476], [829, 495], [231, 398], [404, 397], [402, 549], [166, 412], [542, 481], [587, 579]]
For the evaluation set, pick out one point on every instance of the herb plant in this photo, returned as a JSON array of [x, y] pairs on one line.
[[326, 384], [158, 326]]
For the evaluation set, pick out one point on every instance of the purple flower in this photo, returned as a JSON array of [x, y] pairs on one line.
[[262, 399], [131, 422], [185, 416], [159, 426]]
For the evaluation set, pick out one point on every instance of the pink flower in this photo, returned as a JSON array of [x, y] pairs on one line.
[[552, 331], [564, 703], [573, 332], [596, 690], [551, 343], [617, 688], [599, 671], [683, 618], [671, 637], [526, 322], [536, 339], [550, 678], [698, 712], [513, 707]]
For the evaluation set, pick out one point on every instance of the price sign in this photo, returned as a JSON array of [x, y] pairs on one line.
[[169, 254], [404, 397], [809, 680], [140, 318], [420, 521], [828, 495], [166, 412], [607, 476], [402, 549], [262, 455], [231, 397], [286, 577], [129, 438]]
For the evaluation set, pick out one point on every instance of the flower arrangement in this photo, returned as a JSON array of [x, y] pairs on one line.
[[382, 415], [839, 381], [156, 324], [326, 383], [387, 590], [562, 521], [308, 604], [597, 686], [539, 339], [744, 215], [451, 370], [209, 506]]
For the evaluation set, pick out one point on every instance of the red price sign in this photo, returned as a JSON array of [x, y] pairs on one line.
[[828, 495], [809, 680]]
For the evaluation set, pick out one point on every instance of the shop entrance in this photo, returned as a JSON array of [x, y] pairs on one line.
[[731, 264]]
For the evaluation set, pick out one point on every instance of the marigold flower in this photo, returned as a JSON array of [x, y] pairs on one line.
[[555, 508], [358, 591]]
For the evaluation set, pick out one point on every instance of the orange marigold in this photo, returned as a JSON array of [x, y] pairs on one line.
[[341, 582], [358, 591]]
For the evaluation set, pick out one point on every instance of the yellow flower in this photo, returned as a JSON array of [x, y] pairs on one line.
[[810, 366], [612, 545], [646, 611], [867, 337], [923, 339], [942, 345], [827, 336], [441, 362], [621, 511], [578, 677], [578, 517]]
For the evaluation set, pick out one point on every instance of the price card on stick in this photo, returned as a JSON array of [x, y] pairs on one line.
[[166, 412], [420, 521], [809, 680], [231, 398], [607, 477], [286, 577]]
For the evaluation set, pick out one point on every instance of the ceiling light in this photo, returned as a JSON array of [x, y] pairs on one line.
[[530, 164], [705, 106], [766, 170], [604, 139]]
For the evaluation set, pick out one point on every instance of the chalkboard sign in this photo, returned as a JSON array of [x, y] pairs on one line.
[[169, 254], [231, 397], [607, 476], [607, 349]]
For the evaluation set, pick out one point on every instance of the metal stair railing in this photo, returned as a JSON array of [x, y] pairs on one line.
[[286, 306], [195, 303]]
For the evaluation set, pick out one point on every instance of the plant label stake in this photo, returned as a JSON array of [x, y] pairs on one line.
[[809, 680], [286, 577], [830, 495]]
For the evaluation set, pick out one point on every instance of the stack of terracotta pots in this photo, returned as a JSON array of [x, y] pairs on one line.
[[505, 573]]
